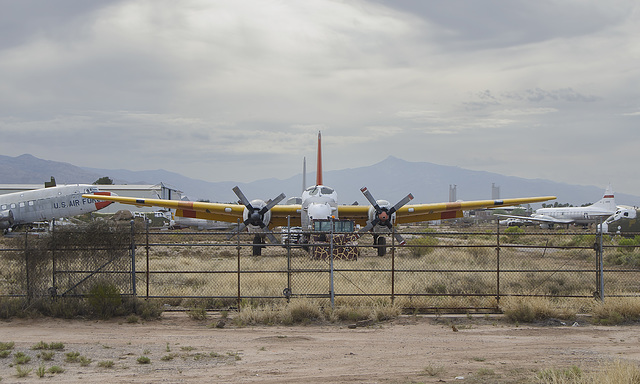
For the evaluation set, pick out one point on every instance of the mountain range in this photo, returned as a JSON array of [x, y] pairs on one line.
[[390, 179]]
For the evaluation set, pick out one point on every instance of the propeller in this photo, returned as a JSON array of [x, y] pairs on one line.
[[255, 216], [383, 215]]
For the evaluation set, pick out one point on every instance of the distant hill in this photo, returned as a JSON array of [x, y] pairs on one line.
[[390, 179]]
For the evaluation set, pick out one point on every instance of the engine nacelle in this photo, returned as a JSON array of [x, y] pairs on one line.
[[383, 216], [256, 219], [6, 219]]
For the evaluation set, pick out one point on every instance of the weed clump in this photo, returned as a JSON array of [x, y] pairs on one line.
[[616, 311], [530, 309]]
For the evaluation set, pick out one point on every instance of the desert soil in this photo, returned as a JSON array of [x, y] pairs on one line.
[[411, 349]]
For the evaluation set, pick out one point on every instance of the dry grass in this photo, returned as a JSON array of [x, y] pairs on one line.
[[617, 310], [307, 311], [614, 372]]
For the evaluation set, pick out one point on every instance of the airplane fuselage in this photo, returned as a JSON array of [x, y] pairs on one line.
[[577, 215], [319, 202], [47, 204]]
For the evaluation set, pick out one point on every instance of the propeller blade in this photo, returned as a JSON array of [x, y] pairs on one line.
[[242, 197], [400, 239], [368, 227], [369, 197], [241, 227], [272, 203], [271, 237], [401, 203]]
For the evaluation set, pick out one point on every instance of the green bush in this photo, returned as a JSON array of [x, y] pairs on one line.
[[421, 246], [104, 299]]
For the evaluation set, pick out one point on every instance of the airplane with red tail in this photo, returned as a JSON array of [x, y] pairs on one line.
[[319, 204]]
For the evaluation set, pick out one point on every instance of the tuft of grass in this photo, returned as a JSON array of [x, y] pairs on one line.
[[23, 372], [56, 346], [485, 372], [4, 353], [431, 370], [72, 357], [169, 357], [6, 346], [143, 360], [615, 311], [40, 371], [554, 375], [55, 369], [40, 345], [421, 246], [21, 358], [105, 364], [530, 309], [133, 319], [84, 361], [46, 355], [617, 372], [197, 313]]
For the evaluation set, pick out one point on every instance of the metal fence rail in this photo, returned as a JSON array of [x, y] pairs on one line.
[[437, 269]]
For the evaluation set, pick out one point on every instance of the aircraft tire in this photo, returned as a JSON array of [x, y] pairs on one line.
[[382, 250], [257, 245]]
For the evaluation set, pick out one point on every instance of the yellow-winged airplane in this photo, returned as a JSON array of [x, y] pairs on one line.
[[319, 203]]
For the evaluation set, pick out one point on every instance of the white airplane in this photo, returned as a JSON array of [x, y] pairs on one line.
[[625, 219], [319, 206], [547, 217], [45, 204], [513, 222]]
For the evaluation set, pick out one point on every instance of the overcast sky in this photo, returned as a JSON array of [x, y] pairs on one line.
[[237, 90]]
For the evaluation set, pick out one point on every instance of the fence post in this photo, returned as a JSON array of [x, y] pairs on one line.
[[26, 265], [133, 258], [498, 263], [53, 256], [147, 250], [599, 260], [288, 290], [393, 263], [238, 272], [332, 293]]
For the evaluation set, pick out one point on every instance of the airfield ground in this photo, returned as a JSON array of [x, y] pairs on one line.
[[406, 350]]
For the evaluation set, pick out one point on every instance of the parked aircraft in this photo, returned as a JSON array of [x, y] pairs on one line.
[[625, 219], [547, 217], [513, 222], [47, 204], [319, 205]]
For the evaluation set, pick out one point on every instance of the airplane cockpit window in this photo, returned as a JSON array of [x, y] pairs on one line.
[[326, 191], [313, 190]]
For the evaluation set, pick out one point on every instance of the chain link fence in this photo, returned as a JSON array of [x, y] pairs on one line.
[[439, 268]]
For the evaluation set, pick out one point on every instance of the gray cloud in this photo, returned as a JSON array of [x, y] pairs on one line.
[[238, 90]]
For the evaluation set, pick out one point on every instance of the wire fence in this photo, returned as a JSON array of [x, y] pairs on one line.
[[439, 268]]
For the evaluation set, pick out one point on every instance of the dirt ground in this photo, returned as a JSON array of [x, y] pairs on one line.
[[407, 350]]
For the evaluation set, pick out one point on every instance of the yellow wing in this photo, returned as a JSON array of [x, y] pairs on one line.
[[435, 211], [280, 213], [208, 211]]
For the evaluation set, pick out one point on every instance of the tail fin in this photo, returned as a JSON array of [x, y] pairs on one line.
[[319, 163], [608, 201], [304, 173]]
